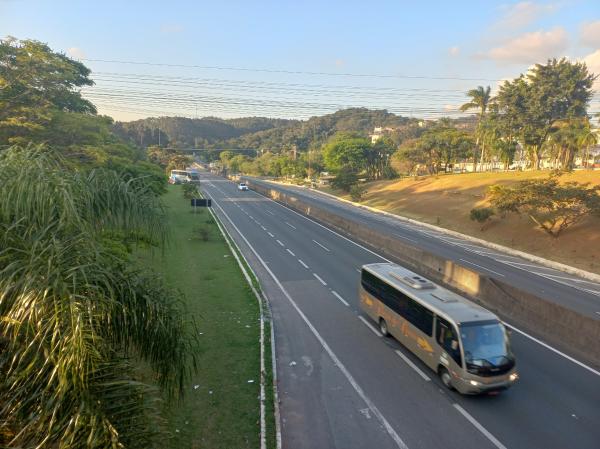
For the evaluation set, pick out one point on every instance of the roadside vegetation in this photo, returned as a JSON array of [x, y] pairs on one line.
[[124, 322], [221, 406]]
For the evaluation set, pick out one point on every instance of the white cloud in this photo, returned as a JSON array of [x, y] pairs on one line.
[[530, 48], [590, 34], [593, 64], [521, 14], [75, 53], [454, 51], [171, 28]]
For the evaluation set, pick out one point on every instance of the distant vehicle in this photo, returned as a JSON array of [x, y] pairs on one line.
[[179, 177], [242, 186], [464, 343]]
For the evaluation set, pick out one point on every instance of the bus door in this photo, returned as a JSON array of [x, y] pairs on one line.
[[447, 338]]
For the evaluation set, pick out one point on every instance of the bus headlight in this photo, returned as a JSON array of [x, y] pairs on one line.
[[513, 377], [474, 383]]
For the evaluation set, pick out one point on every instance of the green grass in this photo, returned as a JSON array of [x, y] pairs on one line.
[[220, 408]]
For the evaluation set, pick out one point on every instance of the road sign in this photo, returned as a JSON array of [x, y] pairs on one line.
[[201, 202]]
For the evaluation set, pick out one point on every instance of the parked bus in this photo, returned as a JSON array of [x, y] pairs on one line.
[[465, 344]]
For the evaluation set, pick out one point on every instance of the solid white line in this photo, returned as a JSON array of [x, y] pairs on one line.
[[325, 248], [270, 234], [479, 427], [337, 362], [370, 326], [319, 279], [291, 226], [303, 264], [290, 251], [525, 265], [340, 298], [482, 267], [406, 238], [547, 346], [280, 243], [387, 260], [413, 366], [567, 278]]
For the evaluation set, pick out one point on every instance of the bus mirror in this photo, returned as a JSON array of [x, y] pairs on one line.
[[508, 331], [454, 345]]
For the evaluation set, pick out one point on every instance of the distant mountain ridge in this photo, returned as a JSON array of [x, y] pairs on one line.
[[260, 133]]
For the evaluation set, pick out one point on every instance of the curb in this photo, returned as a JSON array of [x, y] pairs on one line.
[[513, 252]]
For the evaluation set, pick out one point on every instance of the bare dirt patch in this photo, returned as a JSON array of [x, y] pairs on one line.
[[446, 201]]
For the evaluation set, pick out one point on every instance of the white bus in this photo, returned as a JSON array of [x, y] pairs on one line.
[[465, 344]]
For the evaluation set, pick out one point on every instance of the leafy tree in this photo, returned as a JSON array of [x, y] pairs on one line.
[[345, 180], [482, 215], [378, 158], [74, 310], [35, 84], [530, 105], [480, 99], [436, 148], [346, 151], [552, 206]]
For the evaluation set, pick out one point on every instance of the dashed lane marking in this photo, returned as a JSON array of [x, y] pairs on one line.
[[370, 326], [340, 298], [290, 251], [303, 264], [410, 363], [319, 279]]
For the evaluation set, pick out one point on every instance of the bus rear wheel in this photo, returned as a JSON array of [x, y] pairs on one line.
[[445, 378], [383, 327]]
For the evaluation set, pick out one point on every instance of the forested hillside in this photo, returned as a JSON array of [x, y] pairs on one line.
[[261, 132]]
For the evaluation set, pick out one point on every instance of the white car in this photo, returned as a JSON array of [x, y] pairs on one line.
[[242, 186]]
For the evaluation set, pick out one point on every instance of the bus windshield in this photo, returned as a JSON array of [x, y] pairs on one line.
[[485, 344]]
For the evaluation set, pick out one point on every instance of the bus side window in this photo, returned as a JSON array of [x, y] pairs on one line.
[[447, 338]]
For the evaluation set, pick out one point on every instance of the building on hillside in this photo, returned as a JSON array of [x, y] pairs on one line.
[[379, 132]]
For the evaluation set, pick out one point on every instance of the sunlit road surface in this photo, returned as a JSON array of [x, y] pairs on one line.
[[342, 385]]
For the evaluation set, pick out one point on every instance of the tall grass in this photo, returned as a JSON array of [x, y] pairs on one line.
[[74, 312]]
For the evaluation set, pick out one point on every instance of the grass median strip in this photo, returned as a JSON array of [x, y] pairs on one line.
[[221, 408]]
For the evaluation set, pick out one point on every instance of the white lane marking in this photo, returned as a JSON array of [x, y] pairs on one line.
[[324, 247], [598, 313], [290, 251], [370, 326], [269, 212], [319, 279], [358, 270], [406, 238], [251, 217], [324, 227], [290, 225], [340, 298], [263, 228], [510, 262], [479, 427], [336, 361], [303, 264], [280, 242], [482, 267], [387, 260], [271, 234], [413, 366], [567, 278], [547, 346]]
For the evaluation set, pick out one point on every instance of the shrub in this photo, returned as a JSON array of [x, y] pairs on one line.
[[481, 214], [357, 192], [344, 180]]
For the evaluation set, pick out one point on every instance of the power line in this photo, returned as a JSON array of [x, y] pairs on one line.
[[290, 72]]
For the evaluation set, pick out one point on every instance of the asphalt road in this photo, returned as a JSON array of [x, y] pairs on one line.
[[342, 385], [568, 290]]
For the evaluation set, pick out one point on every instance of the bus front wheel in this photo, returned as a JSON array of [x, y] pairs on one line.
[[383, 327], [445, 378]]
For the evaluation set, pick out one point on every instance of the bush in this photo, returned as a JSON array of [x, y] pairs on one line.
[[190, 191], [482, 214], [344, 180], [357, 192]]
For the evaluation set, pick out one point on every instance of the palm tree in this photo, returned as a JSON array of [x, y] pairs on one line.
[[480, 99], [74, 313]]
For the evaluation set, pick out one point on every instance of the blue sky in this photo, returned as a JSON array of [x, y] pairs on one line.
[[469, 42]]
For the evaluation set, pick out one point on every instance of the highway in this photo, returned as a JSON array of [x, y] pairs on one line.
[[342, 385], [565, 289]]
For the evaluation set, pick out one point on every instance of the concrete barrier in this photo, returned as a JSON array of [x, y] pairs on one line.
[[564, 328]]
